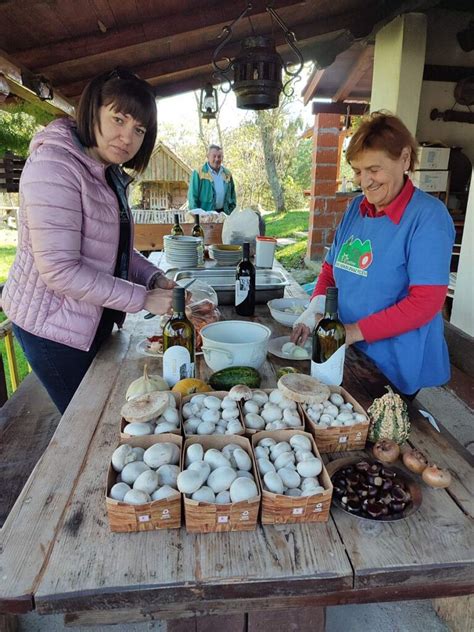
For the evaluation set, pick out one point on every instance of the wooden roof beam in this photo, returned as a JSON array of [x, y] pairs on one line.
[[310, 88], [358, 70], [340, 108], [163, 28], [12, 79]]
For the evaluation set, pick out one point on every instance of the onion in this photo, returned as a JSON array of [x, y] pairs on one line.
[[386, 451], [434, 476], [414, 460]]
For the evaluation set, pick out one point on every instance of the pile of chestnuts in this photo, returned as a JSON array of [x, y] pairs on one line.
[[371, 490]]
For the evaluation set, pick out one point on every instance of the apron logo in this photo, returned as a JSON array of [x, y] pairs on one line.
[[355, 256]]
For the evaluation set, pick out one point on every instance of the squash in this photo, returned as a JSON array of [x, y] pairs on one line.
[[389, 418], [191, 385]]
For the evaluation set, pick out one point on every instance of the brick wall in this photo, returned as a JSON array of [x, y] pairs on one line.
[[325, 209]]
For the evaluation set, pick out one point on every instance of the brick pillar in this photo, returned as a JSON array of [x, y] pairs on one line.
[[325, 209]]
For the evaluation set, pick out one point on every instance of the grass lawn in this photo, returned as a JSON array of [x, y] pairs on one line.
[[291, 256], [8, 239]]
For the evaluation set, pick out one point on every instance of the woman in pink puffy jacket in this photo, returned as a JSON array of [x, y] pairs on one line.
[[76, 273]]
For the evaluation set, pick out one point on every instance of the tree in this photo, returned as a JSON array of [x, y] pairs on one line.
[[18, 124]]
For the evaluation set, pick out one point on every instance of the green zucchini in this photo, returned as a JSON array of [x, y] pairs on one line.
[[225, 379]]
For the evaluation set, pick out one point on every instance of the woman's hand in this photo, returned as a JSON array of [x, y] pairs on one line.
[[353, 334], [300, 334], [162, 282], [159, 301]]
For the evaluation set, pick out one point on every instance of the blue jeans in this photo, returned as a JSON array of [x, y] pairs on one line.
[[58, 367]]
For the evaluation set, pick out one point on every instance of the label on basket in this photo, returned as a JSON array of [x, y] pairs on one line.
[[245, 515], [343, 439], [222, 519], [165, 514], [318, 508], [359, 436], [298, 511], [144, 518]]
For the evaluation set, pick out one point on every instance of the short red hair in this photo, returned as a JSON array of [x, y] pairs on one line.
[[384, 132]]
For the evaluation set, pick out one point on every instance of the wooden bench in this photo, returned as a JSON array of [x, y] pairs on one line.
[[149, 237]]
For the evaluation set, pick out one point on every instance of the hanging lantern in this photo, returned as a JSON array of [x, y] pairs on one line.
[[255, 75], [208, 103]]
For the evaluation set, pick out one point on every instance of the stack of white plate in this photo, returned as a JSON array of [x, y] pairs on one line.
[[182, 252], [225, 255]]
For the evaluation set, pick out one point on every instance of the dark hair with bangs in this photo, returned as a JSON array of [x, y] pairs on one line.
[[128, 94], [385, 132]]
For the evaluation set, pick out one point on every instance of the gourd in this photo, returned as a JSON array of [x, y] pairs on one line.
[[146, 384], [389, 418]]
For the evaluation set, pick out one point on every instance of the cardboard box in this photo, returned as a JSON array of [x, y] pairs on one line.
[[433, 157], [431, 181]]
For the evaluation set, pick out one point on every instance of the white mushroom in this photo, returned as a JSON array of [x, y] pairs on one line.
[[164, 492], [119, 490], [239, 392], [136, 497]]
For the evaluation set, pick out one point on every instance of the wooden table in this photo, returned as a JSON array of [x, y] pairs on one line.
[[57, 554]]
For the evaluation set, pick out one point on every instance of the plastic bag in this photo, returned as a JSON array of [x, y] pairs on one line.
[[241, 225], [201, 309]]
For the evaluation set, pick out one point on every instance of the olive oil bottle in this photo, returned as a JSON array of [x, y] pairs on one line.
[[178, 342], [329, 337]]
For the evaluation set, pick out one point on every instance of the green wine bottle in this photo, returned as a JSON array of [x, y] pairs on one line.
[[177, 231], [329, 337], [178, 342], [199, 233]]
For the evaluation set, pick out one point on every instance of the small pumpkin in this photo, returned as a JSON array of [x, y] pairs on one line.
[[191, 385], [389, 418]]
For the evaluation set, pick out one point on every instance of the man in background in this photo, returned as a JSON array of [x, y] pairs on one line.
[[212, 187]]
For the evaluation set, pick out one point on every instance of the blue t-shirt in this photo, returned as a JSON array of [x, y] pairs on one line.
[[374, 263]]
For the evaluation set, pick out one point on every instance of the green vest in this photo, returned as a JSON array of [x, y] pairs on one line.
[[202, 194]]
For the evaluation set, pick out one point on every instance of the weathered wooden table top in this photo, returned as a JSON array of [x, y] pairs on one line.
[[58, 555]]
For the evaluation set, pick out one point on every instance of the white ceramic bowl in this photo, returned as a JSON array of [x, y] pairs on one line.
[[234, 343], [278, 305]]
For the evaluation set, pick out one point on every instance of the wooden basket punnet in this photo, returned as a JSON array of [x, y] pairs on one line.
[[178, 431], [158, 514], [249, 432], [280, 509], [202, 517], [339, 438], [220, 395]]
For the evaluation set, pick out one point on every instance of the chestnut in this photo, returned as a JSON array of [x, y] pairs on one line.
[[397, 507], [353, 503], [375, 509], [339, 491], [375, 469], [373, 491], [362, 466], [387, 484], [398, 493]]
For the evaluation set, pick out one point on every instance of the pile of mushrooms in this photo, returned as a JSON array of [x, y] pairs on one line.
[[289, 467], [264, 411], [145, 475], [217, 476], [209, 415], [152, 413], [333, 412]]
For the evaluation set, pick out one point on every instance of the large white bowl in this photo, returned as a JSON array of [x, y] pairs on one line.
[[277, 305], [234, 343]]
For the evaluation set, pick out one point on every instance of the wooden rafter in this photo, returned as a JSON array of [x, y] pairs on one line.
[[13, 80], [358, 70], [181, 25], [312, 84]]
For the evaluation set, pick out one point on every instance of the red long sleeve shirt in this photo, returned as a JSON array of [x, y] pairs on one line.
[[421, 304]]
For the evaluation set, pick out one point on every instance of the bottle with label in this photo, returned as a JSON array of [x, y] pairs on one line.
[[199, 232], [329, 337], [178, 342], [177, 230], [245, 284]]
